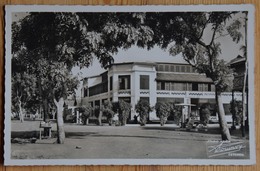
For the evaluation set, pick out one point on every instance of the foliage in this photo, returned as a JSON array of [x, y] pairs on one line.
[[195, 36], [177, 114], [107, 110], [163, 111], [24, 93], [86, 112], [233, 30], [143, 108], [237, 108], [56, 42], [123, 108], [204, 114], [185, 33]]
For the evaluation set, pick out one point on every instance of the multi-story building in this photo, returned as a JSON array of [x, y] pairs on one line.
[[165, 82]]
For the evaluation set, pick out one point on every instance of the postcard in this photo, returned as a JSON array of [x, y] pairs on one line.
[[129, 85]]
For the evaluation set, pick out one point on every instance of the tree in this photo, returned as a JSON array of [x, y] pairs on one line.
[[23, 83], [23, 92], [143, 108], [55, 42], [64, 84], [195, 36], [163, 111], [235, 32], [76, 38]]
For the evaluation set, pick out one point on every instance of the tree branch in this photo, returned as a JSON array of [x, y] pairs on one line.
[[203, 28], [55, 101], [222, 36], [187, 60], [214, 34]]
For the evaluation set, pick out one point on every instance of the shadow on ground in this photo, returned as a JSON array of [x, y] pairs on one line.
[[214, 131]]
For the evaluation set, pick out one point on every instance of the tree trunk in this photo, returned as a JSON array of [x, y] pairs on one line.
[[60, 126], [45, 110], [222, 120], [20, 111], [124, 118], [162, 120], [100, 117]]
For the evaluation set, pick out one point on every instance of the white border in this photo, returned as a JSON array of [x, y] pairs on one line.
[[148, 8]]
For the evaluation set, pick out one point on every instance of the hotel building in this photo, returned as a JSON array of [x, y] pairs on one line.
[[154, 82]]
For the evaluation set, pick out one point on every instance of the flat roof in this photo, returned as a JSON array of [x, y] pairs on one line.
[[148, 63]]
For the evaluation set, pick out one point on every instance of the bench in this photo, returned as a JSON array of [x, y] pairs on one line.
[[45, 126]]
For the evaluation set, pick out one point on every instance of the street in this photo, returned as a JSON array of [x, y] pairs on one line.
[[107, 142]]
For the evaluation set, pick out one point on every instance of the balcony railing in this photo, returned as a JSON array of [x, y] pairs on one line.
[[124, 92], [144, 92], [193, 94]]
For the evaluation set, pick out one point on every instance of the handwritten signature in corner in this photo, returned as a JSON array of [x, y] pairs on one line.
[[224, 148]]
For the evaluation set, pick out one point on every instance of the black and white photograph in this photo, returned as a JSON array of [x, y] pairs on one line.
[[135, 85]]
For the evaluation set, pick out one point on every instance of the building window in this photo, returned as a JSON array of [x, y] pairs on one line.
[[162, 85], [172, 86], [111, 83], [159, 86], [188, 68], [85, 92], [98, 89], [194, 86], [172, 68], [167, 85], [184, 86], [144, 82], [182, 68], [179, 86], [160, 67], [167, 68], [189, 87], [212, 87], [177, 68], [124, 82], [203, 87]]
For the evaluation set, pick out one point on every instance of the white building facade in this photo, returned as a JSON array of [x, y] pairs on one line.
[[165, 82]]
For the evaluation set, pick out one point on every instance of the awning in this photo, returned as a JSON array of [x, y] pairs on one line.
[[183, 77]]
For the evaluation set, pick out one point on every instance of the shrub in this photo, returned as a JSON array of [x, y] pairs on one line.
[[238, 114], [86, 112], [177, 114], [204, 114], [143, 108], [107, 111], [123, 109], [163, 111]]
